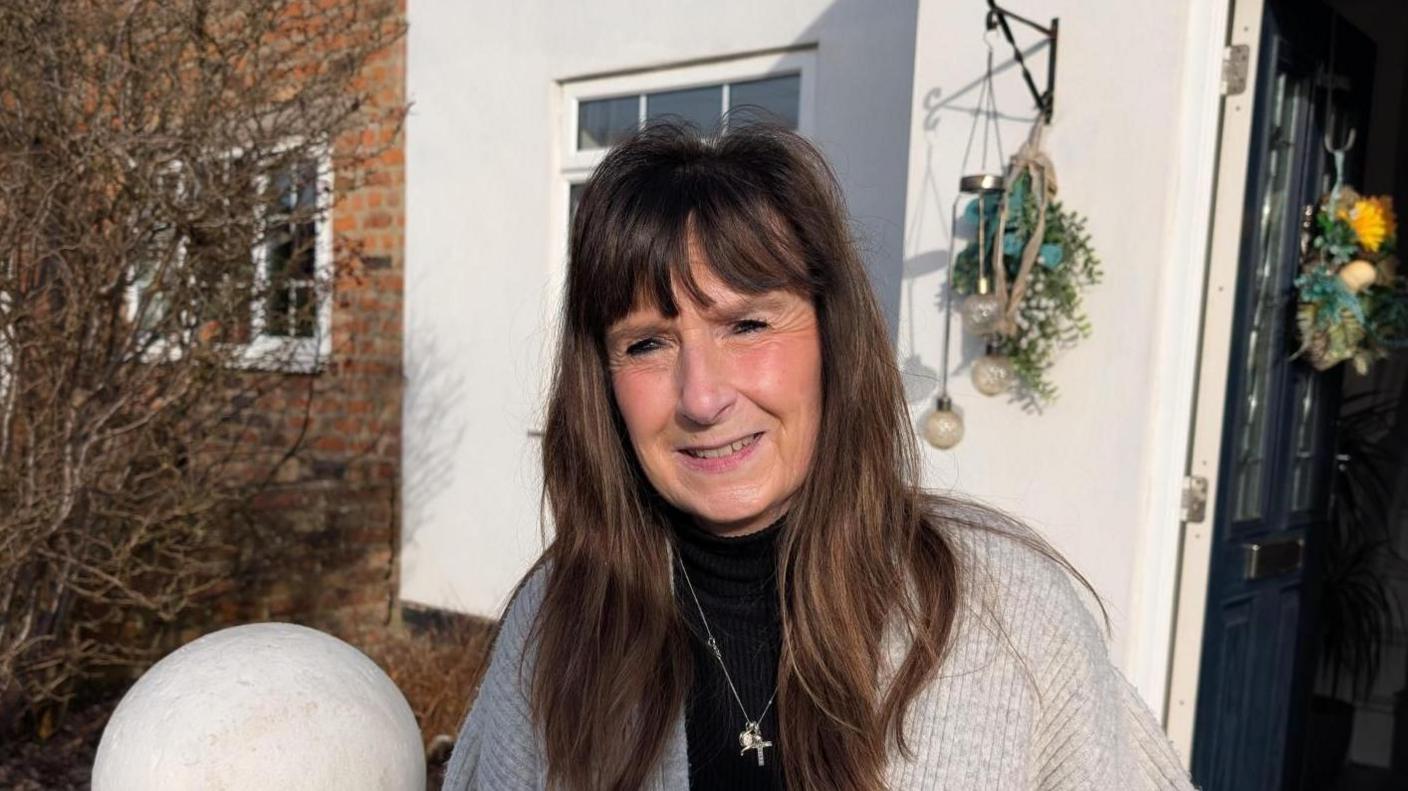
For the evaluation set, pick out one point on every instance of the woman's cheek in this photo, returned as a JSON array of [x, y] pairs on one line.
[[791, 362], [641, 391]]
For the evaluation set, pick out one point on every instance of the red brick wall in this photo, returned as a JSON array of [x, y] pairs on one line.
[[333, 508]]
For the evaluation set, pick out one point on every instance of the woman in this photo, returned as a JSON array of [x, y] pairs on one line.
[[747, 588]]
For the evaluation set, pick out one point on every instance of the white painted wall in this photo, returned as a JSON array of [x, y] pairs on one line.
[[483, 194], [1132, 146]]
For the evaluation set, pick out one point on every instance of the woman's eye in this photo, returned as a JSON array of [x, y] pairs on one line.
[[644, 346], [749, 325]]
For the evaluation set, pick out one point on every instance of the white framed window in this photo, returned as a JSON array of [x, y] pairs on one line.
[[596, 111], [288, 322], [291, 318]]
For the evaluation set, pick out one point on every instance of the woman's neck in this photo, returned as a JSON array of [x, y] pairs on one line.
[[729, 567]]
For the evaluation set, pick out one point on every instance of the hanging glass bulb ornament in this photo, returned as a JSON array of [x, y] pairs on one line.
[[993, 373], [981, 311], [944, 427]]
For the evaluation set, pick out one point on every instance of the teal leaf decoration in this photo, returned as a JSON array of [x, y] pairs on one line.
[[970, 213], [1012, 243], [1051, 255], [989, 203], [1330, 296]]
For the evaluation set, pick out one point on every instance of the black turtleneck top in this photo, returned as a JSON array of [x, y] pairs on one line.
[[735, 579]]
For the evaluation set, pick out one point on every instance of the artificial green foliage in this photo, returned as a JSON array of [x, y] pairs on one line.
[[1336, 239], [1052, 316]]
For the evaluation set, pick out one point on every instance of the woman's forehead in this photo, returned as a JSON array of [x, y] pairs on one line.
[[723, 305], [707, 293], [713, 262]]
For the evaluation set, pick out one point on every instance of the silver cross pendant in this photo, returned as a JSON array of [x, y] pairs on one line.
[[752, 739]]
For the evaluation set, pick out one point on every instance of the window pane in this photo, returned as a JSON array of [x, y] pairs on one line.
[[701, 107], [775, 99], [149, 299], [602, 122], [304, 311], [292, 252]]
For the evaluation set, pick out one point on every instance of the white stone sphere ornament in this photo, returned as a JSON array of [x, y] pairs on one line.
[[262, 707], [944, 427], [993, 373]]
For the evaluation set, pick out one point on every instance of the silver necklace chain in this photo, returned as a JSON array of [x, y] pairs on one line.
[[750, 738]]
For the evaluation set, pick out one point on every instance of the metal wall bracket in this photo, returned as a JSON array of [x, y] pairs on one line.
[[997, 18]]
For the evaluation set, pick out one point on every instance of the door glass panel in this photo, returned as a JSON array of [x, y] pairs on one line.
[[1268, 286], [1303, 445]]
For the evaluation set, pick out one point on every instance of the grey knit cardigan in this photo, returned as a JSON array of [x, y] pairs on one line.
[[1026, 699]]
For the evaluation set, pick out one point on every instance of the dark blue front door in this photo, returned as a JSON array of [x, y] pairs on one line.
[[1258, 652]]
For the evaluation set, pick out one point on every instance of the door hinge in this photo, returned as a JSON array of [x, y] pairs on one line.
[[1235, 61], [1194, 506]]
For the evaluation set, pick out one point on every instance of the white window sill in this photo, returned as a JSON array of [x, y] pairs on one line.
[[267, 353], [286, 355]]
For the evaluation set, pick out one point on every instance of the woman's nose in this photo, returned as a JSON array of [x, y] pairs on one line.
[[706, 390]]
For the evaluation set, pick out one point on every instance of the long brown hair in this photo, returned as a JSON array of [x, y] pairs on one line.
[[613, 662]]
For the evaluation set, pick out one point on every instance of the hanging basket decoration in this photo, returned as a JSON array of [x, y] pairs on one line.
[[1041, 261], [1352, 302]]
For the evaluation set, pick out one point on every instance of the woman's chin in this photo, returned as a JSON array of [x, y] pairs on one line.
[[735, 522]]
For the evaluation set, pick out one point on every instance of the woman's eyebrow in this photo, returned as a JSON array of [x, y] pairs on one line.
[[633, 328], [740, 308]]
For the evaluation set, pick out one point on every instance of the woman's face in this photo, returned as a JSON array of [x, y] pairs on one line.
[[723, 403]]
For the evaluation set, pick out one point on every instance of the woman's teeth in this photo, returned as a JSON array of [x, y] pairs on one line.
[[726, 450]]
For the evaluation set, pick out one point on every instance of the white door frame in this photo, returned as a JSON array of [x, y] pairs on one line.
[[1178, 327], [1210, 392]]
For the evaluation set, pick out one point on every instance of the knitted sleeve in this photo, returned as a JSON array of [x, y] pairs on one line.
[[497, 748], [1093, 730]]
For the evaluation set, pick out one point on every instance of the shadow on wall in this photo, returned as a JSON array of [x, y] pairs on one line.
[[931, 218], [867, 69], [434, 434]]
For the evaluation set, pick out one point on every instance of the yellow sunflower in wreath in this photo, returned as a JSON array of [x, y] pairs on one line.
[[1372, 219]]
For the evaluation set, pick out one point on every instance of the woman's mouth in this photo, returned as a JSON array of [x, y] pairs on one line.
[[723, 451]]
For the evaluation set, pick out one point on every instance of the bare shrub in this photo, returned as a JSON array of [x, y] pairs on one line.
[[437, 668], [165, 171]]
